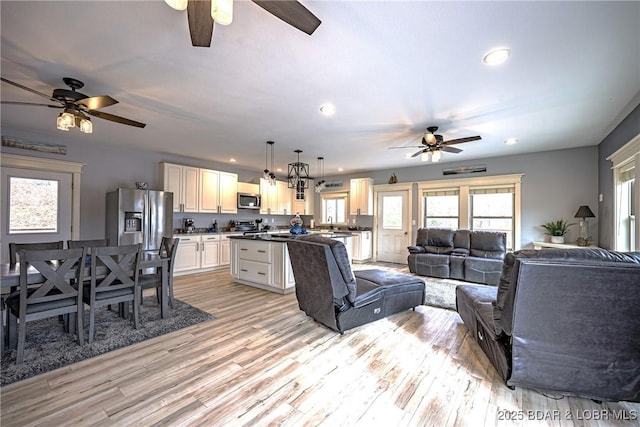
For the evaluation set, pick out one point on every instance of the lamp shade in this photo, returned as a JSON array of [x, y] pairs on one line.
[[584, 212]]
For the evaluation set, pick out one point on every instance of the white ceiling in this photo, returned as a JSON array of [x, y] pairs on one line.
[[391, 69]]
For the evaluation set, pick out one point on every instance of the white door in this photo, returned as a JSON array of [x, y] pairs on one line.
[[36, 206], [392, 226]]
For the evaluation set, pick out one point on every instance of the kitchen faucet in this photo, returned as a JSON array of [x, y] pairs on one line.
[[330, 219]]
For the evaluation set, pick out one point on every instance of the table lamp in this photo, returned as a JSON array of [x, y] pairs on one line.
[[584, 212]]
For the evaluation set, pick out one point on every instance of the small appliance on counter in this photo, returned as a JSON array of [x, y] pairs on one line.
[[188, 226], [245, 226]]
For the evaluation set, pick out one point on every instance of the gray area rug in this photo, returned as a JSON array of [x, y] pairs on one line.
[[48, 347]]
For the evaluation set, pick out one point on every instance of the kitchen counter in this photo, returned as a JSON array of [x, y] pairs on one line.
[[283, 237]]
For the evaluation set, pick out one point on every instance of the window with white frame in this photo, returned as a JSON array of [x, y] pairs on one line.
[[626, 164], [492, 210], [33, 205], [489, 203], [334, 208], [441, 209]]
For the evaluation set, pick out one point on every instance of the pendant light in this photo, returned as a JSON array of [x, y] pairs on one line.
[[298, 176], [267, 174], [321, 184]]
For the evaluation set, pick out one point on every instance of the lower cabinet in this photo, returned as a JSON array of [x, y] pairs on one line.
[[201, 252], [262, 264], [362, 246]]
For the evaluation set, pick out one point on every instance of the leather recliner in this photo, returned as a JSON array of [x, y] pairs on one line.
[[561, 320], [472, 256], [329, 292]]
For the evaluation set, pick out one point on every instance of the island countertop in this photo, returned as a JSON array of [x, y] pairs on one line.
[[283, 237]]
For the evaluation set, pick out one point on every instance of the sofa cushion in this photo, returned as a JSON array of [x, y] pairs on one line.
[[439, 241], [416, 249], [341, 256], [434, 265], [488, 244], [375, 283], [482, 270]]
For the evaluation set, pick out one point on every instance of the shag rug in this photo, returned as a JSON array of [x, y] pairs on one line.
[[49, 347]]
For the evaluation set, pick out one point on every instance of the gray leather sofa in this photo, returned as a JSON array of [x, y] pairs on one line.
[[562, 320], [473, 256], [328, 291]]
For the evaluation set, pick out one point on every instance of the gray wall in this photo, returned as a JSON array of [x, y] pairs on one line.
[[623, 133], [554, 185]]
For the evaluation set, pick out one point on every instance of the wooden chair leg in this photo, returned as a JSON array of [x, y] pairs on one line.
[[92, 314], [22, 335], [80, 326]]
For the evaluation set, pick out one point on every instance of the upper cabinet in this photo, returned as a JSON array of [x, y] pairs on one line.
[[183, 182], [305, 206], [218, 192], [200, 190], [275, 199], [361, 196]]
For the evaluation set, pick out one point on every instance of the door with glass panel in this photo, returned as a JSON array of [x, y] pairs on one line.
[[392, 226], [36, 207]]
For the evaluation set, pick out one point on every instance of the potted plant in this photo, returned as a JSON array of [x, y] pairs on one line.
[[557, 229]]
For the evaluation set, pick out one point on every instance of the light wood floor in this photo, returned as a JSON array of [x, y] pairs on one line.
[[261, 361]]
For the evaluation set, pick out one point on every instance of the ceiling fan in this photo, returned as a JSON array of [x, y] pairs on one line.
[[433, 143], [76, 105], [202, 13]]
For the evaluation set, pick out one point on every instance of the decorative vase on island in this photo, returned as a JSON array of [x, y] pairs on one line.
[[557, 239]]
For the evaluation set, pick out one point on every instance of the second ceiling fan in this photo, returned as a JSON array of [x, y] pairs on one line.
[[201, 15]]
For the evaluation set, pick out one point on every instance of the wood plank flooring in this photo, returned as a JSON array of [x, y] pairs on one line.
[[261, 362]]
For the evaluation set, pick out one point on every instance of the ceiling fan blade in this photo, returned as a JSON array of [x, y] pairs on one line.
[[28, 89], [406, 146], [97, 102], [31, 103], [117, 119], [200, 22], [461, 140], [450, 149], [292, 12], [419, 152]]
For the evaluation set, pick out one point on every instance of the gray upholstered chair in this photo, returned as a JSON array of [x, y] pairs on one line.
[[168, 248], [114, 280], [53, 296], [328, 291]]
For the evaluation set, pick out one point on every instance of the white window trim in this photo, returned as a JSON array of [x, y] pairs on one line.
[[52, 165], [630, 152], [464, 184], [335, 195]]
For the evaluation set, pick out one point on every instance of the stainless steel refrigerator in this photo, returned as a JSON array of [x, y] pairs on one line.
[[139, 216]]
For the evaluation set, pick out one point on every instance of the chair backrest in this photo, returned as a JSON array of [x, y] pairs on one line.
[[57, 267], [114, 268], [168, 248], [14, 248], [71, 244]]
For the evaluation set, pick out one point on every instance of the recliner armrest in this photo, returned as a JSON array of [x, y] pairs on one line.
[[416, 249]]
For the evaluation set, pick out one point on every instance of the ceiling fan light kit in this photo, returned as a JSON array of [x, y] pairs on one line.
[[435, 144], [222, 11]]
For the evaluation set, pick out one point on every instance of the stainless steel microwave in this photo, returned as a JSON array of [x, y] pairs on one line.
[[248, 201]]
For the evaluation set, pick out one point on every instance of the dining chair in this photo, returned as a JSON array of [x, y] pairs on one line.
[[114, 280], [86, 243], [54, 294], [168, 249], [14, 248]]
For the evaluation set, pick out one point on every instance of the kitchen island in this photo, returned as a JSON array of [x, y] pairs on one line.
[[262, 261]]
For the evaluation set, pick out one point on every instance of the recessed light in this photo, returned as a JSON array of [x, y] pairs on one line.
[[232, 160], [328, 109], [340, 169], [496, 56], [511, 141], [278, 169]]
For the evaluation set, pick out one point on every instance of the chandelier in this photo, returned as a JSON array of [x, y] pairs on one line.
[[267, 174], [298, 176], [321, 184]]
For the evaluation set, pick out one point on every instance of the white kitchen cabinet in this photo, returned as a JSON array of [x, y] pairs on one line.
[[275, 199], [183, 182], [362, 246], [361, 196], [188, 253], [303, 207], [218, 192], [225, 248], [262, 264], [209, 251]]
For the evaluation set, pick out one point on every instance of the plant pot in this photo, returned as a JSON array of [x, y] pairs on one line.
[[557, 239]]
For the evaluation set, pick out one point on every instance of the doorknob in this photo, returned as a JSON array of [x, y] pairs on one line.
[[405, 233]]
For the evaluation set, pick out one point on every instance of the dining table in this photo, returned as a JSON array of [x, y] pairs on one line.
[[10, 279]]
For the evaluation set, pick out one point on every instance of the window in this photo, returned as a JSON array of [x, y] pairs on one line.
[[490, 203], [626, 163], [392, 208], [334, 208], [492, 210], [33, 205], [441, 209]]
